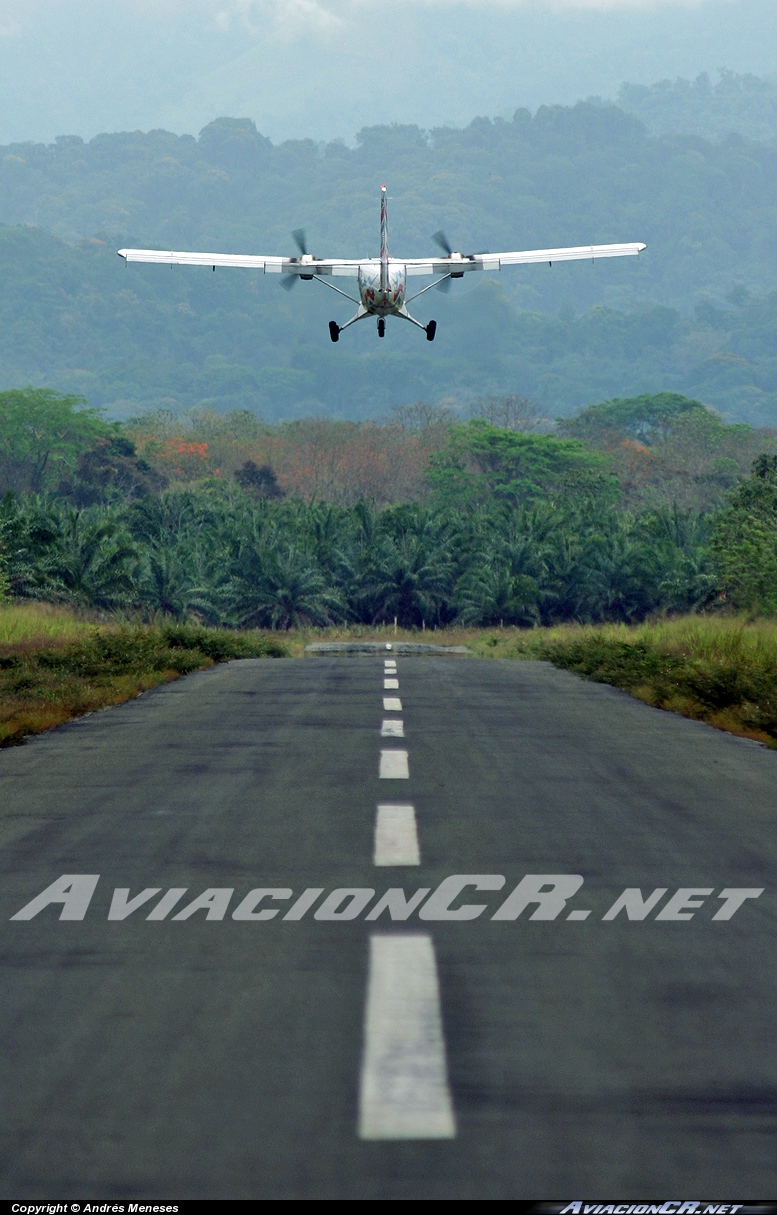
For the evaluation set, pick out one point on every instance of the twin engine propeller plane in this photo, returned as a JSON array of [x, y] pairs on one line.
[[382, 281]]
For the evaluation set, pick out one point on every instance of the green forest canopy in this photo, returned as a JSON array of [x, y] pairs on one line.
[[507, 526], [742, 103]]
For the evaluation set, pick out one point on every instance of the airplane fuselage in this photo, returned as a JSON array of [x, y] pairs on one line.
[[382, 287]]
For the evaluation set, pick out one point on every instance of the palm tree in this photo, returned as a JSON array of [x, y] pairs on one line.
[[92, 560], [408, 579], [492, 595], [281, 590]]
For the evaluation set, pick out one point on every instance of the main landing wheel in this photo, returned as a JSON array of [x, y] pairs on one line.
[[431, 329], [334, 331], [381, 326]]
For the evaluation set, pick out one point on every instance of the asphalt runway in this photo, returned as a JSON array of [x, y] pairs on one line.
[[543, 1058]]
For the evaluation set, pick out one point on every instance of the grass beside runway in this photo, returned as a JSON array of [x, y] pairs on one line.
[[55, 665], [718, 669]]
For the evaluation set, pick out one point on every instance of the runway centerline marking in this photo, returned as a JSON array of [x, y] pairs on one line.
[[392, 727], [393, 765], [389, 684], [396, 836], [392, 704], [404, 1093]]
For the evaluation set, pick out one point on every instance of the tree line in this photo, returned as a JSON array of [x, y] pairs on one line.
[[514, 526]]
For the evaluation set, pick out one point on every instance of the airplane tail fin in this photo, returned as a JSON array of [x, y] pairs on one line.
[[383, 238]]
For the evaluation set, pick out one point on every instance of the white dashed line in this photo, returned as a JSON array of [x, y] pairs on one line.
[[404, 1090], [396, 836], [393, 765], [392, 704], [392, 727], [389, 666], [390, 684]]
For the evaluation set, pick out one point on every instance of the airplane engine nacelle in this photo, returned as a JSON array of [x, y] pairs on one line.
[[375, 300]]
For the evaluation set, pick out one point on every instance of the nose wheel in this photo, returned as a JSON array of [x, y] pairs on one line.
[[431, 329], [381, 326], [334, 331]]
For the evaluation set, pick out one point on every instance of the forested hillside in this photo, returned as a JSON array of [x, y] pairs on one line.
[[741, 103], [695, 314]]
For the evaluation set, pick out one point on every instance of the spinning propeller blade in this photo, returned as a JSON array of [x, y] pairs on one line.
[[301, 241], [441, 239]]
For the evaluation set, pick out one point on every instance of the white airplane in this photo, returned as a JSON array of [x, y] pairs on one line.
[[382, 281]]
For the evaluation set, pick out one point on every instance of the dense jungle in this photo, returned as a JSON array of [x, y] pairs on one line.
[[634, 507]]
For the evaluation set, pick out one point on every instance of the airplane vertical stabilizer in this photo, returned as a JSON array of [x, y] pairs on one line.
[[383, 240]]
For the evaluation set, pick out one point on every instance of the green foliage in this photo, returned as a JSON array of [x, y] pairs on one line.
[[744, 541], [279, 589], [108, 470], [741, 103], [134, 650], [44, 685], [42, 434], [665, 449], [409, 576], [716, 669], [230, 559], [647, 418], [215, 553], [482, 462], [221, 644]]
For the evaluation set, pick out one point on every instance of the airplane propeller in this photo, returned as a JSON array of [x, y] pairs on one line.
[[441, 239], [301, 241]]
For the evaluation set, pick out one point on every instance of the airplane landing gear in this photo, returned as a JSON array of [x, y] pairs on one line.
[[334, 331], [381, 326], [431, 329]]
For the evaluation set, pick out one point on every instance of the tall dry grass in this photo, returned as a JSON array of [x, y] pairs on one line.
[[55, 666], [23, 622], [718, 669]]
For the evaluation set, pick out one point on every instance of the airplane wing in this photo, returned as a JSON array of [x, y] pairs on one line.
[[456, 264], [459, 263], [270, 265]]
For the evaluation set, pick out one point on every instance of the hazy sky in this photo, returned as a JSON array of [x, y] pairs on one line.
[[326, 68]]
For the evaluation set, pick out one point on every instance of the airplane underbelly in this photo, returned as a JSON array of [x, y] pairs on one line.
[[382, 301]]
